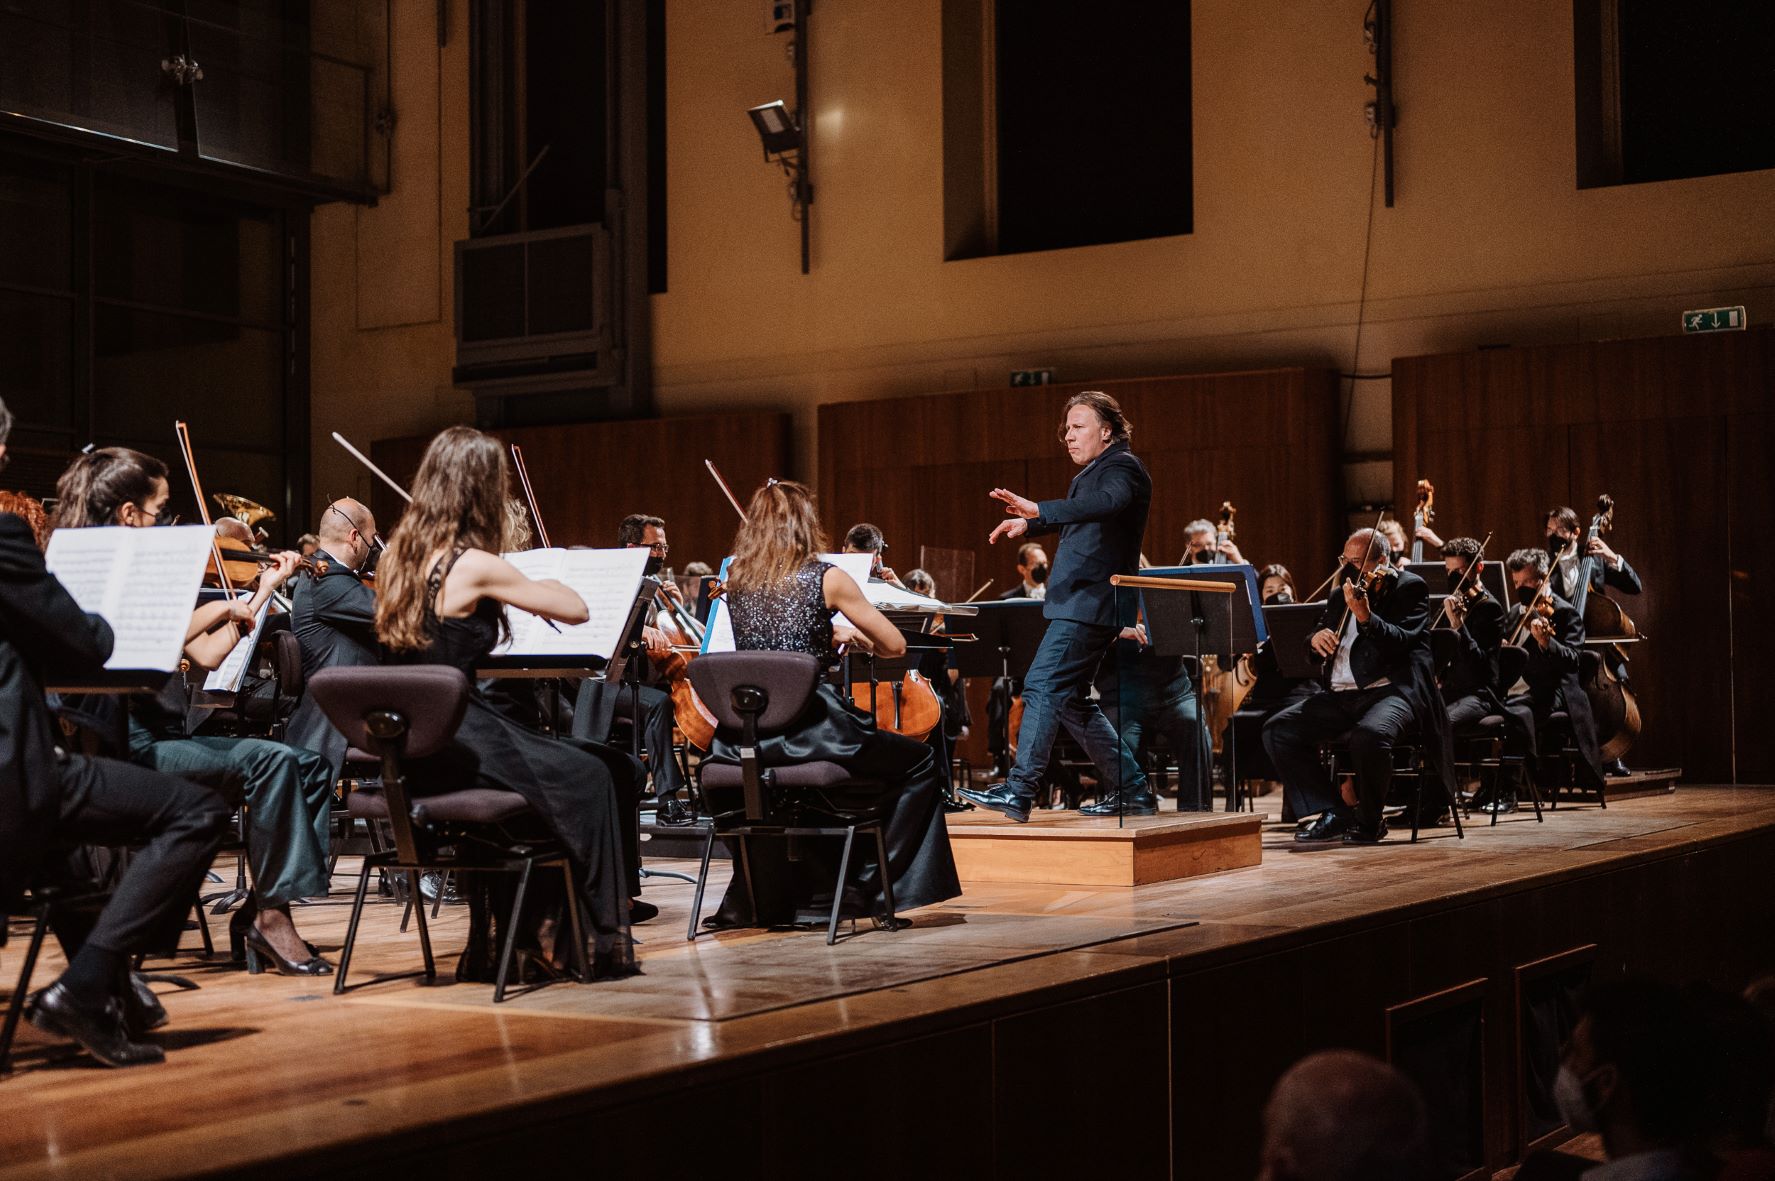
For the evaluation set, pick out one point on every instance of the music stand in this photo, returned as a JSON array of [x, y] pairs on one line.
[[625, 670], [1186, 624], [1291, 627], [1492, 577], [1006, 635], [1182, 615]]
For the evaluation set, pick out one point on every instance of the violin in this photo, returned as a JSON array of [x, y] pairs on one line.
[[1468, 591], [1539, 607], [243, 566]]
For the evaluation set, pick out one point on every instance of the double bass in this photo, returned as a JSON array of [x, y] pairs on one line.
[[1422, 515], [1611, 701]]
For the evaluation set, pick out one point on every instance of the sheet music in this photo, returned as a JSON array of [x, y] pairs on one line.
[[858, 567], [226, 677], [607, 579], [143, 582], [718, 627]]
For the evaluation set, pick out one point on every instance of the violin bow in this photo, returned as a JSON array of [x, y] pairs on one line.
[[365, 460], [542, 531], [725, 490], [979, 592], [184, 433]]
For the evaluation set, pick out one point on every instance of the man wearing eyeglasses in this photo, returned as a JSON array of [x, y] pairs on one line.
[[601, 703], [334, 618]]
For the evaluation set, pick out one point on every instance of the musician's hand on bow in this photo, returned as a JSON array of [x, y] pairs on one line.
[[1325, 642], [655, 640], [1016, 506], [843, 635], [1011, 527]]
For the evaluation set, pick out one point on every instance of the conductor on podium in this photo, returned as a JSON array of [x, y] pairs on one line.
[[1100, 522]]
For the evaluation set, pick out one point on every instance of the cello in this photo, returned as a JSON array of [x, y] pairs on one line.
[[1611, 701]]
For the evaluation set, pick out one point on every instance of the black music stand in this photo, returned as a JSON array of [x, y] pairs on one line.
[[626, 669], [1291, 628], [1436, 574], [1006, 634], [1187, 623]]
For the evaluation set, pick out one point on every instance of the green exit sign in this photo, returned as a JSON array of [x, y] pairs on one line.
[[1715, 320], [1032, 377]]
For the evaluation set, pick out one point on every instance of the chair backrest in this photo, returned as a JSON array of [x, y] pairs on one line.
[[430, 698], [286, 662], [786, 679]]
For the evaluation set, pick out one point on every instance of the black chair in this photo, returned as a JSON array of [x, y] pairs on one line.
[[755, 695], [37, 907], [408, 713], [1486, 741]]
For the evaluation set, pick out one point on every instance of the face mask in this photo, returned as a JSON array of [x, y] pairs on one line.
[[1574, 1107], [1556, 544], [1277, 599], [1038, 573], [1526, 594], [654, 565], [1454, 580]]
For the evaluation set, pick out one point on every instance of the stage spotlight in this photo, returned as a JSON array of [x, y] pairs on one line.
[[776, 128]]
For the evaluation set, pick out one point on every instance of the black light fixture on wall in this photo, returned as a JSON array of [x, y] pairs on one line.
[[784, 133]]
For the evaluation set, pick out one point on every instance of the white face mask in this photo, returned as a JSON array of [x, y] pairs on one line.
[[1574, 1107]]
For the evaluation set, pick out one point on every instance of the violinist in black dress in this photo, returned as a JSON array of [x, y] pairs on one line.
[[781, 598], [442, 594]]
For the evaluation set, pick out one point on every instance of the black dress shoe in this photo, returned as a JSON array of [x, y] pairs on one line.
[[142, 1010], [1617, 770], [99, 1028], [1358, 835], [1000, 798], [1115, 804], [1329, 827], [640, 912], [671, 813]]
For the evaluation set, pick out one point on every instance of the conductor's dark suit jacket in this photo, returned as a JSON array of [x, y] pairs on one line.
[[1101, 522], [43, 634], [334, 618], [1395, 644]]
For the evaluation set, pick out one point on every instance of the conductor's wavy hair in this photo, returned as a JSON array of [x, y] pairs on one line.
[[1108, 411], [781, 532], [459, 503], [99, 483]]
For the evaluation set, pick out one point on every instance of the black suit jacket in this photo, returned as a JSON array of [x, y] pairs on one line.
[[1474, 668], [1395, 644], [43, 635], [334, 618], [1101, 522], [1626, 579], [1554, 677]]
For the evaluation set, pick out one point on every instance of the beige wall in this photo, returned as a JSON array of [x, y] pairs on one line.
[[1490, 241]]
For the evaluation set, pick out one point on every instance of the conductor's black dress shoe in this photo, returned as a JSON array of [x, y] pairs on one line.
[[1000, 798], [1116, 804]]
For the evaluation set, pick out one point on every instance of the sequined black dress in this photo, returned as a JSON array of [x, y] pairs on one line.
[[570, 784], [793, 617]]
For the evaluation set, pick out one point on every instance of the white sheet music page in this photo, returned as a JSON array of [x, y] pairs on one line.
[[718, 627], [226, 677], [607, 579], [142, 581], [858, 567]]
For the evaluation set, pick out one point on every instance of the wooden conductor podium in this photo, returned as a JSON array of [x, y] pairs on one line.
[[1065, 848]]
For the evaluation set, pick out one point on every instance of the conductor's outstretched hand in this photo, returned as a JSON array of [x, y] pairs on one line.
[[1018, 512]]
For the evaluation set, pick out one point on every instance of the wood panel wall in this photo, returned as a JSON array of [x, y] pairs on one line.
[[589, 476], [1679, 430], [921, 467]]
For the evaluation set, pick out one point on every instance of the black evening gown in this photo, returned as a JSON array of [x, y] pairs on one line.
[[793, 617], [570, 784]]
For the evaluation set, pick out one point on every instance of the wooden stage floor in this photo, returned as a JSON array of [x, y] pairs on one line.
[[259, 1067]]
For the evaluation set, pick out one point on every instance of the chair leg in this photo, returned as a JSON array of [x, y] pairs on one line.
[[17, 1007], [844, 865], [576, 925], [203, 929], [1417, 804], [887, 880], [702, 881], [1453, 792], [511, 933], [1534, 792], [431, 971], [444, 884], [357, 912]]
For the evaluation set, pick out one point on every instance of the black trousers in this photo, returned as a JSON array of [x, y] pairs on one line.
[[1373, 720], [176, 827], [1519, 722], [657, 720]]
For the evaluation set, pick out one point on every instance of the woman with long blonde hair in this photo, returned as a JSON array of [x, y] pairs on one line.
[[781, 597], [442, 594]]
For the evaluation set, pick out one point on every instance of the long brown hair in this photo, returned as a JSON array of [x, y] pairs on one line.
[[459, 500], [782, 531], [100, 482]]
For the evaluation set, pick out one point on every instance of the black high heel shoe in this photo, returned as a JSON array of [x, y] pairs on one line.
[[260, 953], [241, 921]]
